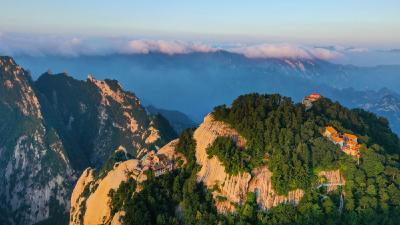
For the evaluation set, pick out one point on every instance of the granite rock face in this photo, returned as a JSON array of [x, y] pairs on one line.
[[35, 172], [234, 188], [90, 201], [92, 194], [53, 128]]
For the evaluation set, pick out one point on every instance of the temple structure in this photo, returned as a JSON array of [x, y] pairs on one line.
[[159, 164], [308, 100], [348, 142]]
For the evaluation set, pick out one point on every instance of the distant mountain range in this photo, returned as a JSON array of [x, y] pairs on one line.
[[194, 83]]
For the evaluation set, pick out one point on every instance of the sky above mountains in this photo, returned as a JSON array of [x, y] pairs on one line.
[[353, 31], [350, 22]]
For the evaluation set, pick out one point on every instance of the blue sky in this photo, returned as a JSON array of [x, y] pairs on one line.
[[346, 22]]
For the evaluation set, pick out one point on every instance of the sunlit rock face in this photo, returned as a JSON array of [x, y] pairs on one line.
[[52, 129], [92, 194], [233, 188], [90, 201]]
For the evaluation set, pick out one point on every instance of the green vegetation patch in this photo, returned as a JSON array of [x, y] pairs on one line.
[[235, 159]]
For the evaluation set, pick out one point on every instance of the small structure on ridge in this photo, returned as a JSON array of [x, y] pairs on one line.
[[308, 100], [159, 164], [348, 142]]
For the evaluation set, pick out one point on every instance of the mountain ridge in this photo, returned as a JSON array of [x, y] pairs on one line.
[[53, 128]]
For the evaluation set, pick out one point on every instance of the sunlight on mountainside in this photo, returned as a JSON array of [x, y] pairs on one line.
[[208, 112]]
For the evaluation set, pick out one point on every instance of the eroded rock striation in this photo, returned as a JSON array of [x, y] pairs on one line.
[[234, 189], [90, 201]]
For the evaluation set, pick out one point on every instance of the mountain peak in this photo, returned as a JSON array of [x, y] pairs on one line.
[[8, 64], [6, 60], [18, 91], [112, 90]]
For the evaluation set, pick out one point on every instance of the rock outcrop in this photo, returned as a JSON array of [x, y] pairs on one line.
[[333, 179], [90, 201], [261, 184], [169, 151], [36, 176], [97, 116], [233, 189], [92, 194]]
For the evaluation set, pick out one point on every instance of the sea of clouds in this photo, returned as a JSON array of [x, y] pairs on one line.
[[71, 46]]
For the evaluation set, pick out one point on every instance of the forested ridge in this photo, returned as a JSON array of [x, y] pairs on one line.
[[288, 139]]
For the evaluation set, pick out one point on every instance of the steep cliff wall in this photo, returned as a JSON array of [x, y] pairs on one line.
[[90, 200], [95, 117], [90, 203], [233, 189], [53, 128], [35, 172]]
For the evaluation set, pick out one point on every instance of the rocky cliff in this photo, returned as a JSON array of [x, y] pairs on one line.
[[90, 201], [334, 179], [95, 116], [35, 172], [233, 189], [53, 128]]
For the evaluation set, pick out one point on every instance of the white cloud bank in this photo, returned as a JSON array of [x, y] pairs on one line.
[[166, 47], [272, 51], [36, 45], [325, 54], [286, 51]]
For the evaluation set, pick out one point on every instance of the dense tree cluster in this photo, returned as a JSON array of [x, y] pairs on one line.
[[235, 159], [290, 136]]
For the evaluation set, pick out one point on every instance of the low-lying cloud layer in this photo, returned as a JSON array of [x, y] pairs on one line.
[[44, 45], [74, 46], [286, 51], [167, 47]]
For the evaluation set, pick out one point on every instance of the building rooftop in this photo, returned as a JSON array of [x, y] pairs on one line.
[[337, 139], [331, 129], [351, 137], [313, 97]]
